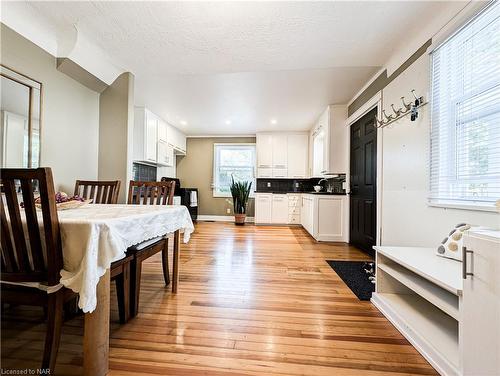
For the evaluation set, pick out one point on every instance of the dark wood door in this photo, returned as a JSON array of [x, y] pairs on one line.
[[363, 180]]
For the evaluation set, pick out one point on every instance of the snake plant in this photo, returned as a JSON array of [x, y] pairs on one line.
[[240, 190]]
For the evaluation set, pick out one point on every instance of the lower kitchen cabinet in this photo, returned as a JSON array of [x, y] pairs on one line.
[[325, 217], [263, 208], [279, 212]]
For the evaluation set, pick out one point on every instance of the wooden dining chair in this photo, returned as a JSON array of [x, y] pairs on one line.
[[101, 192], [31, 263], [106, 192], [149, 193]]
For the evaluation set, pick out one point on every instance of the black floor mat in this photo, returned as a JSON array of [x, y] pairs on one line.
[[354, 276]]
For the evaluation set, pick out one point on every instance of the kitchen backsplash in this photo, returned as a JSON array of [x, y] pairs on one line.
[[333, 184]]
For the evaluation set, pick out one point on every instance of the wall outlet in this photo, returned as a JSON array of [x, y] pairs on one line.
[[228, 211], [269, 184]]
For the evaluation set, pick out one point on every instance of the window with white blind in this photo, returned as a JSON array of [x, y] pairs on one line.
[[233, 160], [465, 115]]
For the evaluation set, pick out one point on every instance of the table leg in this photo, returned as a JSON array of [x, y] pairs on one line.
[[175, 267], [96, 332]]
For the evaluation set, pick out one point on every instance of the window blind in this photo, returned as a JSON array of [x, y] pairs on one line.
[[465, 114]]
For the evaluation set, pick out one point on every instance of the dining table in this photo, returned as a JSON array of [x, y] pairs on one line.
[[94, 236]]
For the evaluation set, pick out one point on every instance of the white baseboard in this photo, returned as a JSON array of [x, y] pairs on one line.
[[222, 218]]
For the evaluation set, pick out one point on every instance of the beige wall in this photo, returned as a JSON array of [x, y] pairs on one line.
[[116, 122], [70, 112], [196, 169]]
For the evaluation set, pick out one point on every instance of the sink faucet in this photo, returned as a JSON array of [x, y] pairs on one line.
[[324, 179]]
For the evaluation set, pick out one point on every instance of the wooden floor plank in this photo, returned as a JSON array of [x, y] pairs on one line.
[[252, 300]]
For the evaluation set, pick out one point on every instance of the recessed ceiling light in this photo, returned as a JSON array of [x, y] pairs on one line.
[[228, 122], [274, 121], [184, 122]]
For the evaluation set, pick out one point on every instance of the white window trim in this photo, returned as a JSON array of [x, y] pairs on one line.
[[214, 169]]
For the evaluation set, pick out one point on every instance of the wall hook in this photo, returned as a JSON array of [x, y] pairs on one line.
[[396, 112], [388, 118], [407, 106]]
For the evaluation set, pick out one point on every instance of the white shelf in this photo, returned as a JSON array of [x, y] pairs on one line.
[[445, 300], [428, 328], [445, 273]]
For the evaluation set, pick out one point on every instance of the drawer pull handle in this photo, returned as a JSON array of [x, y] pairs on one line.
[[465, 273]]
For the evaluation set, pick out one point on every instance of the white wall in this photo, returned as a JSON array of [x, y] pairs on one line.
[[70, 112], [406, 217]]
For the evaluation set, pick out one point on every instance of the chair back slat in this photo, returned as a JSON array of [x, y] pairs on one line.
[[23, 263], [16, 225], [32, 224], [101, 192], [8, 258], [151, 192]]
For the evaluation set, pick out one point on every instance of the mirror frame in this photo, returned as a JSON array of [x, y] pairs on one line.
[[33, 85]]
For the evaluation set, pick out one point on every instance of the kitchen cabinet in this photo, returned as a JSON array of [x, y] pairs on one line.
[[145, 136], [155, 141], [162, 131], [279, 211], [307, 213], [294, 206], [480, 306], [282, 155], [330, 142], [297, 151], [264, 155], [325, 217], [263, 208], [176, 139], [165, 154]]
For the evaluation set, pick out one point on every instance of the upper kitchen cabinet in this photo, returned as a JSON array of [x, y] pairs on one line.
[[282, 155], [264, 155], [145, 135], [176, 139], [156, 141], [297, 154], [330, 142]]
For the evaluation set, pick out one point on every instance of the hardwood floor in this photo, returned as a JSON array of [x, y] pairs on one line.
[[251, 301]]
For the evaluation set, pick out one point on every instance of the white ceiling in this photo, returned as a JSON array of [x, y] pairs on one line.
[[247, 62]]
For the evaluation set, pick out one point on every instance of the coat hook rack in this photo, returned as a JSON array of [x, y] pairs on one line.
[[407, 108]]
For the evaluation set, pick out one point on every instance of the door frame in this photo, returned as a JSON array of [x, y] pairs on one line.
[[375, 101]]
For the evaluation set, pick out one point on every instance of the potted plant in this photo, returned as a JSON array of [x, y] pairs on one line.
[[240, 190]]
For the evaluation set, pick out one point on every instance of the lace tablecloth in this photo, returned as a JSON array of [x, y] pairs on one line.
[[96, 235]]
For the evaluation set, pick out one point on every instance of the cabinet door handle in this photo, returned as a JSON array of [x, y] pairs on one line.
[[465, 273]]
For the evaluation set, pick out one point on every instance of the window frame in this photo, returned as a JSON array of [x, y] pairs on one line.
[[454, 202], [217, 194]]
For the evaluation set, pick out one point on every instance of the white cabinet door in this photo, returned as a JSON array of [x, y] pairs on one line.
[[264, 150], [176, 138], [263, 207], [165, 154], [297, 151], [151, 137], [331, 219], [162, 131], [280, 153], [480, 311], [280, 209], [307, 214]]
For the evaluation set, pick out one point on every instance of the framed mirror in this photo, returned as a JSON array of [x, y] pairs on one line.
[[20, 120]]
